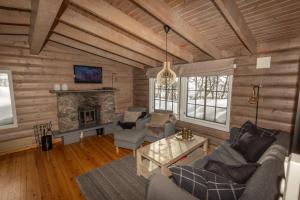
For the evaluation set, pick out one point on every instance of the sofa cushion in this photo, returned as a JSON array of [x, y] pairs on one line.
[[131, 116], [159, 119], [204, 184], [253, 144], [236, 173], [223, 153], [131, 136]]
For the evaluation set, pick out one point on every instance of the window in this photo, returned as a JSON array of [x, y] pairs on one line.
[[8, 118], [203, 100], [206, 101], [164, 98]]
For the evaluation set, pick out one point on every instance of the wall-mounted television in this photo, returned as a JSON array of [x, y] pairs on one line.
[[87, 74]]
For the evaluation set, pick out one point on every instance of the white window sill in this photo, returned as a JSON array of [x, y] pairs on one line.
[[221, 127], [9, 126]]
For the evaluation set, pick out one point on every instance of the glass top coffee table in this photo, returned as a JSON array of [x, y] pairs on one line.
[[158, 156]]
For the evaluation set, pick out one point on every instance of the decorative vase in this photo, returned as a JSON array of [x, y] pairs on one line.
[[64, 86], [56, 86], [46, 142]]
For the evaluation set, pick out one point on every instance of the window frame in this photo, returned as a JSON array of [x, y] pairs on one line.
[[12, 99], [214, 125], [152, 96]]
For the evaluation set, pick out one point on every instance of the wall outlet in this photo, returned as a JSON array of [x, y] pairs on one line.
[[263, 62]]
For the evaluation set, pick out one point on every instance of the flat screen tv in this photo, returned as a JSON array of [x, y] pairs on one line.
[[87, 74]]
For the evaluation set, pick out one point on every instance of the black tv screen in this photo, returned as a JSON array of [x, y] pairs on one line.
[[87, 74]]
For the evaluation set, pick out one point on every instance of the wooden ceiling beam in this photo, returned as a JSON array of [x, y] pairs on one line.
[[164, 13], [93, 50], [42, 18], [234, 17], [94, 41], [107, 12], [92, 26]]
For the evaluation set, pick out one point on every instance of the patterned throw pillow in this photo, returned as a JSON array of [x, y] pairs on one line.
[[248, 126], [205, 185], [253, 144], [236, 173]]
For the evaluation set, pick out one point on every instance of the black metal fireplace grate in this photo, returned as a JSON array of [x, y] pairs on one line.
[[88, 115]]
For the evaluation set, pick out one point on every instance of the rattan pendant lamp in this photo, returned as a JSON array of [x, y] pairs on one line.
[[166, 76]]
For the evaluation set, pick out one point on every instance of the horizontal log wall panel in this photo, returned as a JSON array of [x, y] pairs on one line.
[[34, 76], [277, 95]]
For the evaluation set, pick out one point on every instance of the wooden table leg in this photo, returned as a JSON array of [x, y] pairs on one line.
[[138, 162], [205, 147], [164, 171], [133, 152]]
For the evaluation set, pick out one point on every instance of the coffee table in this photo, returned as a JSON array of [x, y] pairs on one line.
[[158, 156]]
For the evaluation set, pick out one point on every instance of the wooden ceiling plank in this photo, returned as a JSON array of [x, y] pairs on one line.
[[92, 26], [104, 10], [14, 29], [89, 39], [42, 18], [93, 50], [164, 13], [279, 45], [234, 17], [16, 4], [14, 17]]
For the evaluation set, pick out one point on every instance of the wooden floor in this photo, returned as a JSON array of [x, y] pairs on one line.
[[34, 174]]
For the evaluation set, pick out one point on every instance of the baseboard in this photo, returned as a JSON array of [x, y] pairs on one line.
[[18, 145]]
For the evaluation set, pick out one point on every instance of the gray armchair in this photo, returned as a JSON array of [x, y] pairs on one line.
[[119, 117], [156, 133], [129, 138]]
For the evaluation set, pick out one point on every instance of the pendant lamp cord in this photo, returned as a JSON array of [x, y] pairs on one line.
[[166, 46], [167, 29]]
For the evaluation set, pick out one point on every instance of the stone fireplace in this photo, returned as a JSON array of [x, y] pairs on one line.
[[77, 109]]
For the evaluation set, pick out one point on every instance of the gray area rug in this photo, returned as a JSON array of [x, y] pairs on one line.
[[116, 180]]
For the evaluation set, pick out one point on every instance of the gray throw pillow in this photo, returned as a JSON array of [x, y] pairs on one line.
[[253, 144]]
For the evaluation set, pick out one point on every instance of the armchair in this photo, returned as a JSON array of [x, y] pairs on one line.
[[118, 119], [129, 138], [160, 124]]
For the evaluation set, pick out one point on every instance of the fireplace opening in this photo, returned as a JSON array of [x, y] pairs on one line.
[[88, 115]]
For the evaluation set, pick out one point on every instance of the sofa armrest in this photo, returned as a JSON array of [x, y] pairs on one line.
[[169, 129], [117, 117], [162, 188], [141, 123], [234, 132]]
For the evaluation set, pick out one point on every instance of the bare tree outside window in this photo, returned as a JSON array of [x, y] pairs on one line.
[[166, 97], [207, 98]]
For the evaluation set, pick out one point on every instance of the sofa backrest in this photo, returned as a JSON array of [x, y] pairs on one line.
[[137, 109]]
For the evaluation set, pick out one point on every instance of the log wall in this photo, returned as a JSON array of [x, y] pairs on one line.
[[34, 76], [277, 96]]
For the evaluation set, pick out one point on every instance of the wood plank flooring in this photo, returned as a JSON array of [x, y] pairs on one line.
[[34, 174]]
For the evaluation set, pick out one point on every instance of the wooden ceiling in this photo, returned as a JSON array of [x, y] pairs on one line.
[[131, 31]]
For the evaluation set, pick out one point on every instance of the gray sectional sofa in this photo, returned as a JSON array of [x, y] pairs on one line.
[[262, 185]]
